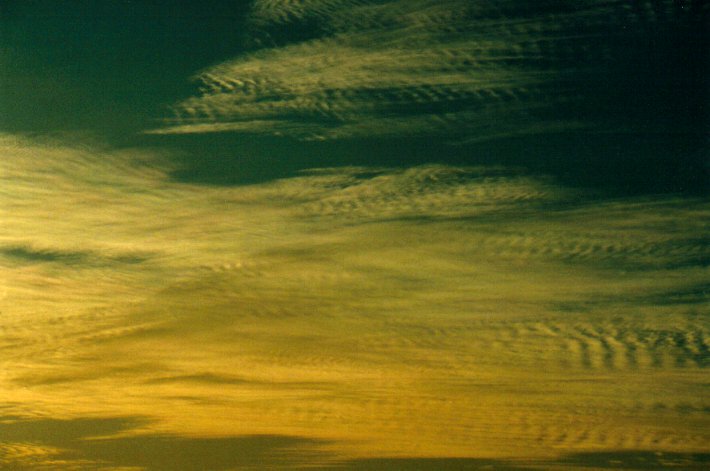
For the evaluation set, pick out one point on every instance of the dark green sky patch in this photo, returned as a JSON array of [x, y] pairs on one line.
[[106, 66], [615, 164], [237, 159]]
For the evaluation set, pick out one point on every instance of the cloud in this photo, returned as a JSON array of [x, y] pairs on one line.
[[326, 69], [96, 443], [376, 67], [102, 444], [332, 304]]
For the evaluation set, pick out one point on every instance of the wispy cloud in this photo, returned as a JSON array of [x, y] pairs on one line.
[[328, 69], [325, 69], [332, 304]]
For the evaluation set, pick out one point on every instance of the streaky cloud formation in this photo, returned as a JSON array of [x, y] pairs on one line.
[[328, 69], [73, 444], [519, 318], [366, 234]]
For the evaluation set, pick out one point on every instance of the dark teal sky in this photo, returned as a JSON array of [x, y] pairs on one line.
[[107, 66], [611, 97]]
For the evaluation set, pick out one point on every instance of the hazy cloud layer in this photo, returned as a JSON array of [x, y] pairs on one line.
[[324, 69], [46, 444], [515, 316]]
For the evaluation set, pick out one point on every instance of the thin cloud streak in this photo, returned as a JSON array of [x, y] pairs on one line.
[[466, 70], [392, 68]]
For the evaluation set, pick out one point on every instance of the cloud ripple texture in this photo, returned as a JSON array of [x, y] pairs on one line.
[[468, 70]]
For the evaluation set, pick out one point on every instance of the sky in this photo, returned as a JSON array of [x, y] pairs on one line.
[[354, 234]]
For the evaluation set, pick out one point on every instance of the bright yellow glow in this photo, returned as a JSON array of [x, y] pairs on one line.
[[433, 311]]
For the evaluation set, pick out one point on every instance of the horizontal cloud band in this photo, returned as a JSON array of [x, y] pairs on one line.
[[324, 69]]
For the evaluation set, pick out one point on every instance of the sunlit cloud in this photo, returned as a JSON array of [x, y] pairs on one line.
[[368, 68], [470, 71], [332, 304]]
